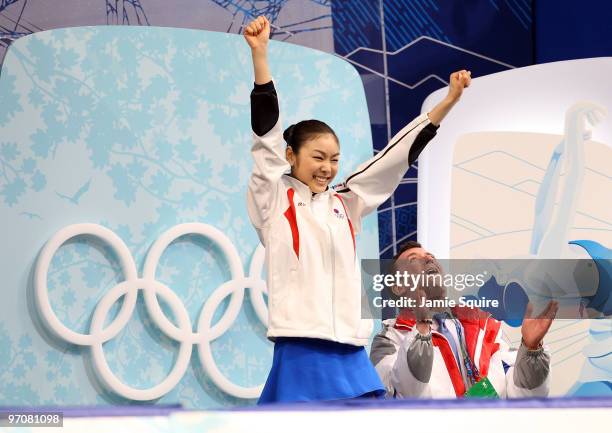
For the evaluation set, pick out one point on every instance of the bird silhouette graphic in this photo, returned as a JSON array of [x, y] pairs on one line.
[[31, 215], [77, 196]]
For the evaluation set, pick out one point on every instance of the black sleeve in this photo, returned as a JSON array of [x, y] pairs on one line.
[[264, 108], [421, 141]]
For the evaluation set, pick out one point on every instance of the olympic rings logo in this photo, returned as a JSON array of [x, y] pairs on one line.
[[151, 288]]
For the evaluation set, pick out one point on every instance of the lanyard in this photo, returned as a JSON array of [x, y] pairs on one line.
[[473, 374]]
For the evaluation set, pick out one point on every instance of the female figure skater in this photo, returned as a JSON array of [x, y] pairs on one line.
[[308, 230]]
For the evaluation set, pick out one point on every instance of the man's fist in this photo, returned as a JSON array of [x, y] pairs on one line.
[[257, 33], [458, 81]]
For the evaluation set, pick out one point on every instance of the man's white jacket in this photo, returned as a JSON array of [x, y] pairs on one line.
[[400, 356], [314, 283]]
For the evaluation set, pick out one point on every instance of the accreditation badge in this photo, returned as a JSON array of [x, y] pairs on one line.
[[482, 389]]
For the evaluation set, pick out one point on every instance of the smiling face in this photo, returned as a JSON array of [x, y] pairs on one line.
[[316, 161]]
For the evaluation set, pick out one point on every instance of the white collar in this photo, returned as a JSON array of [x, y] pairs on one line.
[[304, 190]]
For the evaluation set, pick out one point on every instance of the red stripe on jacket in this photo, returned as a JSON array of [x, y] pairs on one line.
[[292, 219], [489, 346], [473, 321], [451, 363]]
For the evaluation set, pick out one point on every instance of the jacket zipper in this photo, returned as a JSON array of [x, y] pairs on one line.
[[333, 260]]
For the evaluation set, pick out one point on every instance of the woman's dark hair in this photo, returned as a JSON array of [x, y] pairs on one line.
[[306, 130]]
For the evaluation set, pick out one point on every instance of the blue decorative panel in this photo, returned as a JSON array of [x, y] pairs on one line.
[[406, 49]]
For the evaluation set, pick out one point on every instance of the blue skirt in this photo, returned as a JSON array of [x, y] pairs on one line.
[[308, 369]]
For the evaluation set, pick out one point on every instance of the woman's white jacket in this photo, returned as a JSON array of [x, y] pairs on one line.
[[313, 276]]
